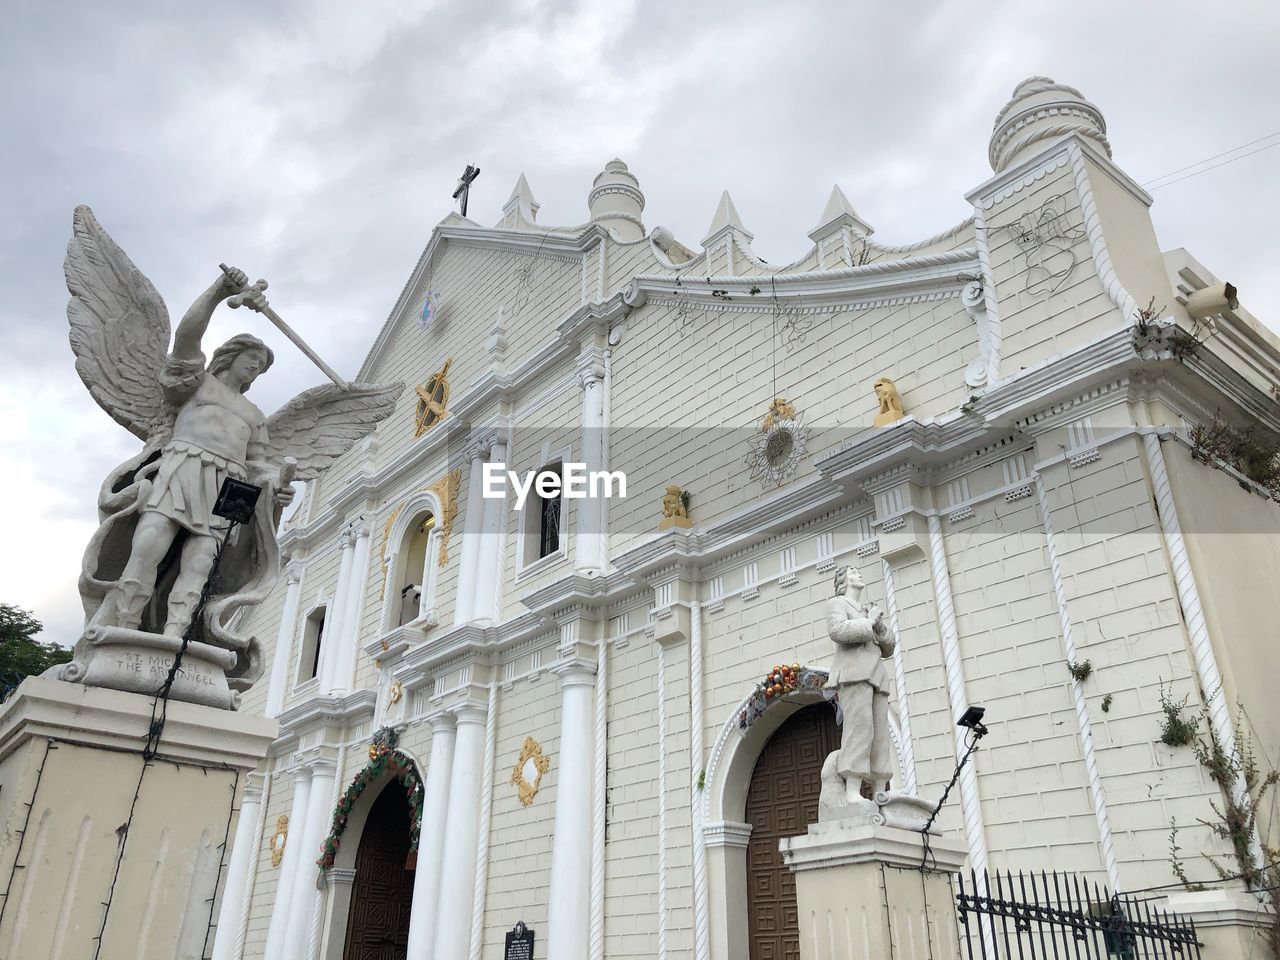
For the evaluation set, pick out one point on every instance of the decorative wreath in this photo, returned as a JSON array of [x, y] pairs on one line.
[[383, 758]]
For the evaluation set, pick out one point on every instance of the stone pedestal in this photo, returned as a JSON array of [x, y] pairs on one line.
[[860, 891], [96, 846], [1231, 924]]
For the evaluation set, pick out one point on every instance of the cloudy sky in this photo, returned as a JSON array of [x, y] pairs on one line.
[[317, 143]]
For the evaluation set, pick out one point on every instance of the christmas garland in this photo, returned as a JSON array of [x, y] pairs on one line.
[[778, 683], [383, 758]]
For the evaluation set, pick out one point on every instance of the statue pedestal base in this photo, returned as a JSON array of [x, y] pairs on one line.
[[97, 846], [860, 892], [134, 660]]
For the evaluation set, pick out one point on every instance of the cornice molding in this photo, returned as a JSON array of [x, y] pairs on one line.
[[885, 279]]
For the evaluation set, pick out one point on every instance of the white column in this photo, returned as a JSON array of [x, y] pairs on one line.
[[464, 605], [970, 800], [1077, 693], [1197, 629], [435, 808], [569, 900], [297, 938], [701, 903], [452, 931], [293, 855], [590, 551], [239, 868], [493, 538], [906, 747], [284, 640], [347, 648], [337, 612]]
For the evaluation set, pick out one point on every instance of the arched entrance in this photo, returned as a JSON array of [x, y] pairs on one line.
[[782, 800], [382, 891]]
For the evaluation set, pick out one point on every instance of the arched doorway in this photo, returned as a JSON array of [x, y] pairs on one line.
[[782, 800], [382, 892]]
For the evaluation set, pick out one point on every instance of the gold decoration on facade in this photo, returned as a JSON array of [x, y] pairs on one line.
[[446, 491], [278, 839], [780, 409], [395, 694], [526, 775], [433, 399], [675, 509], [890, 402]]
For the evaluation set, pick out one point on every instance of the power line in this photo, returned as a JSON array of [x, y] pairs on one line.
[[1207, 159], [1214, 167]]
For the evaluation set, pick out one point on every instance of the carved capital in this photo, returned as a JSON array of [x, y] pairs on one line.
[[292, 573], [590, 370]]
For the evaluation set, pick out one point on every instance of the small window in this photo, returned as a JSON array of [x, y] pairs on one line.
[[312, 635], [542, 521], [549, 523]]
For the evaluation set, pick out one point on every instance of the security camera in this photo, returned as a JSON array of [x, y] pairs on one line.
[[1212, 301]]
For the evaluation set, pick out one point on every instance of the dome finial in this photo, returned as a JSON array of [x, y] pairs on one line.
[[1042, 110], [616, 201]]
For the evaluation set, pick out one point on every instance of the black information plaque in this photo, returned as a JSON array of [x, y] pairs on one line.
[[519, 943]]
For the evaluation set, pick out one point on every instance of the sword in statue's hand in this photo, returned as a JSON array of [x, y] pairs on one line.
[[260, 304]]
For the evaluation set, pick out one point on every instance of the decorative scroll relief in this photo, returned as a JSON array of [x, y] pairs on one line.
[[984, 368], [279, 837], [446, 491], [527, 773]]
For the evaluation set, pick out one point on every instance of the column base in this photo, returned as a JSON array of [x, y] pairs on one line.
[[71, 797], [861, 893]]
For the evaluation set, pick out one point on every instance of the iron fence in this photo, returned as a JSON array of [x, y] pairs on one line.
[[1057, 916]]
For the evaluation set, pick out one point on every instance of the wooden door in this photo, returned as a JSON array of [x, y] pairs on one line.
[[378, 924], [782, 801]]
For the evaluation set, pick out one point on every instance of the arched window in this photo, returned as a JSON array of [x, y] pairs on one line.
[[413, 577], [543, 520], [411, 557]]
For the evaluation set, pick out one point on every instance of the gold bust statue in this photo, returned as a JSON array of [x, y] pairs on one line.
[[890, 402], [674, 513]]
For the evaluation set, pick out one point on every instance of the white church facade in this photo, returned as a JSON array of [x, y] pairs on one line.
[[994, 425]]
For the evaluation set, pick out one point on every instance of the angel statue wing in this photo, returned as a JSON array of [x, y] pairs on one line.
[[321, 424], [119, 330]]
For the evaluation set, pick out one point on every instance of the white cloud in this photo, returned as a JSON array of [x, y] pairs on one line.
[[315, 143]]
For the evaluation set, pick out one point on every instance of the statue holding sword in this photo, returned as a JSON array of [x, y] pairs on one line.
[[152, 555]]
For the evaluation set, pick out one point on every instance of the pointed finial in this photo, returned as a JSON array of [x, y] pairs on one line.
[[726, 218], [839, 213], [521, 202]]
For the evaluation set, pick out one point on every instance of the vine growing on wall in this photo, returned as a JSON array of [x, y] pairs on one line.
[[1245, 451]]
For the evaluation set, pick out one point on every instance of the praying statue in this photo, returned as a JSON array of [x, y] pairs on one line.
[[858, 676], [148, 566]]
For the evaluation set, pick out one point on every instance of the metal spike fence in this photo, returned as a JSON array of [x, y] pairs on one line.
[[1059, 916]]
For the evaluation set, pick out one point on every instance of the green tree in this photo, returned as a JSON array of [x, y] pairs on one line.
[[21, 655]]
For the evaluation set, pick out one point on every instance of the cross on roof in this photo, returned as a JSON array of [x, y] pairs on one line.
[[464, 185]]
